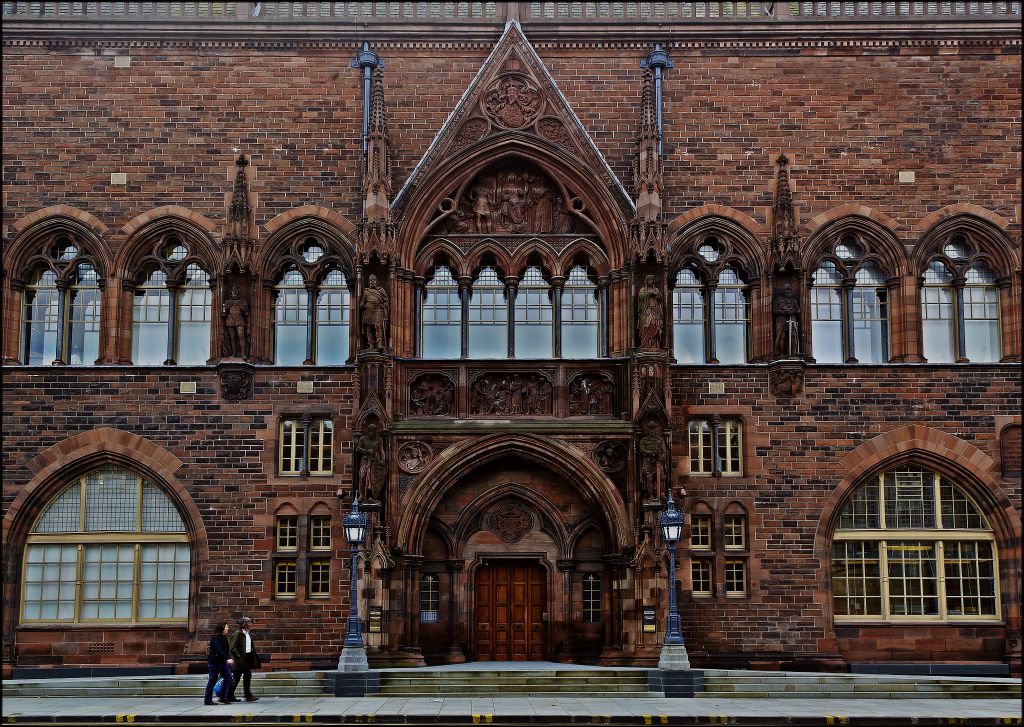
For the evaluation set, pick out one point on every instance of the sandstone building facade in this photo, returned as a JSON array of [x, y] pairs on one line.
[[512, 272]]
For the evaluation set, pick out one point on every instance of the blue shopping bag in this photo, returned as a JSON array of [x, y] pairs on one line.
[[218, 688]]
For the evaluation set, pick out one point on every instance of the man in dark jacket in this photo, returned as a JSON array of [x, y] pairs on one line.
[[243, 651]]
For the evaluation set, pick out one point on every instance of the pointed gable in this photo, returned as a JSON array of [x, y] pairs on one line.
[[513, 93]]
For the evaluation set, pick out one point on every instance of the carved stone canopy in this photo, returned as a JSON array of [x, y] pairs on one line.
[[513, 200]]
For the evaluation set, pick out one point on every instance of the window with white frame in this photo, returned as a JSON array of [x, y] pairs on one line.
[[110, 547], [911, 545]]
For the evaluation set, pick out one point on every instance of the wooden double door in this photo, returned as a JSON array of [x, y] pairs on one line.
[[510, 612]]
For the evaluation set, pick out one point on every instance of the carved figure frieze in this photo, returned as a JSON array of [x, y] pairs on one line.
[[510, 521], [591, 394], [514, 200], [610, 455], [786, 333], [650, 304], [414, 456], [432, 394], [374, 311], [511, 394], [512, 101]]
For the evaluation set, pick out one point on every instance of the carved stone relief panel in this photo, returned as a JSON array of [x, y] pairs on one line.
[[432, 394], [610, 455], [414, 456], [510, 394], [512, 101], [591, 394]]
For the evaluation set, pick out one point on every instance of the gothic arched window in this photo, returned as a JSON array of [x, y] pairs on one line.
[[534, 337], [488, 316], [291, 316], [731, 318], [62, 306], [938, 322], [441, 316], [581, 315], [981, 314], [110, 547], [849, 306], [192, 340], [688, 317], [330, 346], [911, 545]]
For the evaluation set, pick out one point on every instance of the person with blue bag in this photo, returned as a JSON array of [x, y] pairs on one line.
[[219, 661]]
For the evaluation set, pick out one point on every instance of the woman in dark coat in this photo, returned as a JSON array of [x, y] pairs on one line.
[[220, 663]]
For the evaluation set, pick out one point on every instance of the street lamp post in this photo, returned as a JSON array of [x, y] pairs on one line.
[[673, 653], [353, 653]]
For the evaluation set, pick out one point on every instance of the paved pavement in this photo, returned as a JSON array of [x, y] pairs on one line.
[[514, 710]]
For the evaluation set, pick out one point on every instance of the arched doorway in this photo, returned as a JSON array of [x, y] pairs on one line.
[[514, 543]]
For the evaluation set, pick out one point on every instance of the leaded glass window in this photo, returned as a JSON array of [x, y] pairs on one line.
[[938, 323], [194, 315], [151, 315], [110, 547], [41, 319], [732, 318], [592, 597], [488, 316], [84, 317], [430, 598], [981, 314], [291, 313], [870, 313], [332, 320], [827, 314]]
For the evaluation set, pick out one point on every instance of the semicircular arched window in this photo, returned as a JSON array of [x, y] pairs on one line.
[[911, 545], [110, 547]]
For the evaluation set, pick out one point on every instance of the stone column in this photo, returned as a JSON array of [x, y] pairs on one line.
[[172, 323], [567, 566], [455, 570]]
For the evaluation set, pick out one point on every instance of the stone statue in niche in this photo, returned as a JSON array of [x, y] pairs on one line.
[[652, 461], [431, 395], [511, 394], [235, 314], [512, 102], [373, 315], [650, 314], [512, 201], [591, 394], [369, 448], [786, 323]]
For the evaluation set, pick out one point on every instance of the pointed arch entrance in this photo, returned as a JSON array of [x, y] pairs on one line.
[[506, 529]]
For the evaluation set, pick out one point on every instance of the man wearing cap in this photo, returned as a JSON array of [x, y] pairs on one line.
[[243, 651]]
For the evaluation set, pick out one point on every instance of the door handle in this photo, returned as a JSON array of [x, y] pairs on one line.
[[544, 617]]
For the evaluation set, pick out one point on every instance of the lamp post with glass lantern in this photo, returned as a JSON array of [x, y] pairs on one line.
[[673, 653], [353, 653]]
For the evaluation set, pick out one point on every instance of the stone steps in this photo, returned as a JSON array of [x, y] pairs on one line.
[[750, 684], [621, 684], [273, 683]]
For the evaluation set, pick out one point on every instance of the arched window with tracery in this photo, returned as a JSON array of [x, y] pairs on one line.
[[711, 303], [110, 547], [172, 310], [441, 316], [912, 545], [960, 310], [312, 304], [62, 307], [534, 336], [849, 299]]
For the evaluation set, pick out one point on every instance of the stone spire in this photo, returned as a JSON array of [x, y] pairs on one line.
[[377, 234], [784, 232], [238, 238], [648, 231]]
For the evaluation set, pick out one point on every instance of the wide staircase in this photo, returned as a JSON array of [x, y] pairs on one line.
[[544, 680], [535, 682]]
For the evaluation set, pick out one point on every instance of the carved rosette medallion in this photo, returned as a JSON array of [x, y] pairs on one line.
[[610, 456], [510, 521], [413, 457], [432, 394], [554, 130], [512, 101], [473, 130]]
